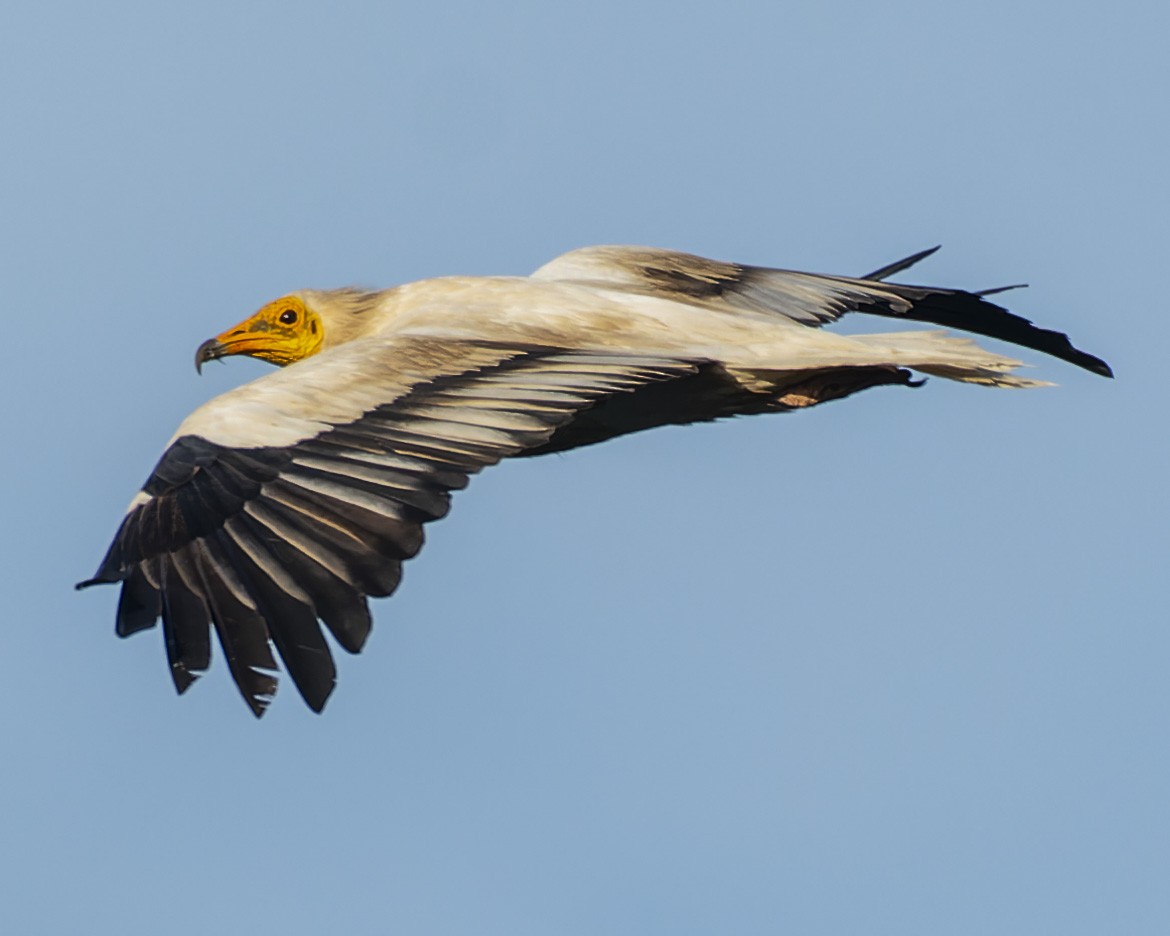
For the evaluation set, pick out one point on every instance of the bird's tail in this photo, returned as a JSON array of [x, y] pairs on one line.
[[943, 355]]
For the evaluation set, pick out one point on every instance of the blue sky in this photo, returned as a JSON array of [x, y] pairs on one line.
[[893, 666]]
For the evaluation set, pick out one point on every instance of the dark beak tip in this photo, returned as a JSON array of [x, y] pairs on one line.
[[210, 350]]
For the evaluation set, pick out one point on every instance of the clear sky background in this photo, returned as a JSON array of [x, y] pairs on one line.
[[896, 665]]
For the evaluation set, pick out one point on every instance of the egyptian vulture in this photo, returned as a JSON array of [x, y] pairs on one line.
[[285, 503]]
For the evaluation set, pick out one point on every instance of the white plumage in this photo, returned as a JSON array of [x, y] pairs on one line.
[[283, 504]]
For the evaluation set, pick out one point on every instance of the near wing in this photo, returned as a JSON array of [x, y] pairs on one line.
[[263, 541], [809, 298]]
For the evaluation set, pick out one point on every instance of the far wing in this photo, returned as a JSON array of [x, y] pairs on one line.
[[811, 299], [263, 541]]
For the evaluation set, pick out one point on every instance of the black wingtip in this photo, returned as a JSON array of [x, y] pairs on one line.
[[999, 289], [107, 574], [183, 678], [948, 308], [973, 312], [1097, 366], [260, 695], [899, 265]]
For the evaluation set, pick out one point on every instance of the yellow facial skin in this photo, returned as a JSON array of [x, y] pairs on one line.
[[282, 332]]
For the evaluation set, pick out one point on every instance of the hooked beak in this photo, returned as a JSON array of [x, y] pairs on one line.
[[253, 338], [211, 350]]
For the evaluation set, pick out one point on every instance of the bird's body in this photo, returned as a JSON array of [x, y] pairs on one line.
[[288, 500]]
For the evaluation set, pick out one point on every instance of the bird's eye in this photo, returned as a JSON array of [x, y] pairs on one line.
[[288, 317]]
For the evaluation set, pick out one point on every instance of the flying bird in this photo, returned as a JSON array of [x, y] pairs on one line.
[[284, 504]]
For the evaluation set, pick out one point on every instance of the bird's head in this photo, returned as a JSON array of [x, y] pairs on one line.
[[293, 327], [282, 332]]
